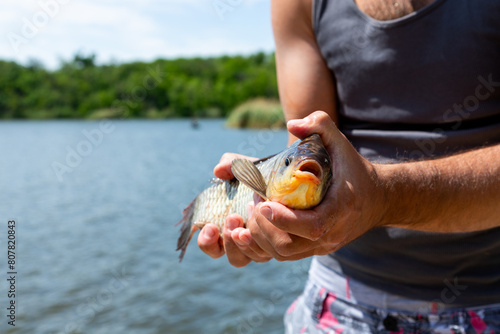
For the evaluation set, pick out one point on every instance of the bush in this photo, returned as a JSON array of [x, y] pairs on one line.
[[257, 113]]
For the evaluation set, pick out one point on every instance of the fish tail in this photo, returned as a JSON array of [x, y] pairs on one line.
[[187, 228]]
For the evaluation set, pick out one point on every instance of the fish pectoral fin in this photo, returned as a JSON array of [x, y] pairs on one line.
[[247, 173]]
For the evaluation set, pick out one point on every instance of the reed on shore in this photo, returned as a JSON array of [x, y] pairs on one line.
[[257, 113]]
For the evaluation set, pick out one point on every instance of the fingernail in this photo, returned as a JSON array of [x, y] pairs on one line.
[[209, 233], [231, 224], [296, 122], [300, 121], [244, 240], [267, 212]]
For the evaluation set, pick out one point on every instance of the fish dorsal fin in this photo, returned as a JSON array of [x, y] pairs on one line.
[[247, 173]]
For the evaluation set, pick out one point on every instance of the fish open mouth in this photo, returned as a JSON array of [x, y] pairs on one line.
[[309, 169]]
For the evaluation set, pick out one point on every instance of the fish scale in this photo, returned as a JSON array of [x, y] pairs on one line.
[[215, 203]]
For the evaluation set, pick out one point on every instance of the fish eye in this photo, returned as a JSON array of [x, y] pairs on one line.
[[287, 162]]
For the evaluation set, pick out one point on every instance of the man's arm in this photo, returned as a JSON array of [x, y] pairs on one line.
[[305, 82], [459, 193]]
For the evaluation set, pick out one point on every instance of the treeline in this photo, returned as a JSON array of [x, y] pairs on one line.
[[192, 87]]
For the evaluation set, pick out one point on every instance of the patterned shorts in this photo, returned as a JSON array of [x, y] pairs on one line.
[[318, 310]]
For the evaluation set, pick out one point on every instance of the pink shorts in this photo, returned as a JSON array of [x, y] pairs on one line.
[[319, 310]]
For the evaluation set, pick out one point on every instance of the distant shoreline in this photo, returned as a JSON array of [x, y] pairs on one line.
[[184, 87], [258, 113]]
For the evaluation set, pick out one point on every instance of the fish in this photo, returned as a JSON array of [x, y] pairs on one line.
[[297, 177]]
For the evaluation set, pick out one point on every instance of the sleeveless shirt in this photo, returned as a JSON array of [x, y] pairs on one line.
[[421, 86]]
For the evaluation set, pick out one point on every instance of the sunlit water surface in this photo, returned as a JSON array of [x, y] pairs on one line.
[[96, 206]]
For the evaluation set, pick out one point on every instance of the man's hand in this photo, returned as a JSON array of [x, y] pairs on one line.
[[352, 206]]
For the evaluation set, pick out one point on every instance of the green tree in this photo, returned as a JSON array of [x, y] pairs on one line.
[[182, 87]]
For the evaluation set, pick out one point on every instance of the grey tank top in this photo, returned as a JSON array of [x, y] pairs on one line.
[[422, 86]]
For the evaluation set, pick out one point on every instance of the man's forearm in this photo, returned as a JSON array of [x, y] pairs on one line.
[[458, 193]]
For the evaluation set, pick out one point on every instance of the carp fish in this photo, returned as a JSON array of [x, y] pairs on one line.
[[297, 177]]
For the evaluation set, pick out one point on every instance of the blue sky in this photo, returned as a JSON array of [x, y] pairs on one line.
[[127, 30]]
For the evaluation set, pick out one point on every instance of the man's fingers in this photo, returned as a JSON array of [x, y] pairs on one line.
[[311, 227], [318, 122], [247, 245], [234, 255], [209, 241], [276, 242], [223, 169]]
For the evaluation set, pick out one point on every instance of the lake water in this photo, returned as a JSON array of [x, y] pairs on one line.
[[95, 205]]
